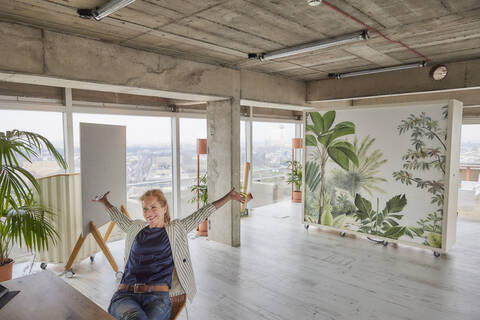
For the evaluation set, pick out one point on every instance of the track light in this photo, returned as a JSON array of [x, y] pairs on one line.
[[314, 3], [378, 70], [312, 46], [101, 12]]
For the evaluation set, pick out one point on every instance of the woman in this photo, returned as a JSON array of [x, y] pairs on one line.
[[157, 257]]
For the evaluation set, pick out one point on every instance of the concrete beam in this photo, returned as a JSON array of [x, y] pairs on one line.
[[461, 75], [38, 56], [260, 88], [469, 97], [223, 167]]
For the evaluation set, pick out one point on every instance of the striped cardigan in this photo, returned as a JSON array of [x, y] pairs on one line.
[[183, 279]]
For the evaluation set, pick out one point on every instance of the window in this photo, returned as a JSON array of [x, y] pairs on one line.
[[149, 153], [48, 124], [190, 131], [272, 148], [469, 192]]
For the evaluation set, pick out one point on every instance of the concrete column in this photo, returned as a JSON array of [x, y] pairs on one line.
[[175, 143], [68, 130], [223, 165]]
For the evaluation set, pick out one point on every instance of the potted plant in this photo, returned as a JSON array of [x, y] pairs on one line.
[[200, 194], [23, 220], [295, 178]]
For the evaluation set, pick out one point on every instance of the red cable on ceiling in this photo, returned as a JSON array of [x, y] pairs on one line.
[[373, 29]]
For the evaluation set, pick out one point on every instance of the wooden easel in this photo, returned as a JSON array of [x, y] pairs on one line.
[[101, 242]]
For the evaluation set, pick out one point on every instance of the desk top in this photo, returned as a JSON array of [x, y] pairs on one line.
[[45, 296]]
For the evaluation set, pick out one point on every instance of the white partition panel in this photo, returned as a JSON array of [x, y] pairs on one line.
[[386, 171], [103, 168]]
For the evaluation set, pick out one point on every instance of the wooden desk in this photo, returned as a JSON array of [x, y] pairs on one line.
[[45, 296]]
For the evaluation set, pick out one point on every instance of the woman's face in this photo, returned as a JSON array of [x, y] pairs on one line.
[[153, 212]]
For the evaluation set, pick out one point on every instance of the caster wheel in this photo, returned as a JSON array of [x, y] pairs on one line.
[[306, 226], [436, 254], [69, 274], [385, 243], [43, 265], [342, 234], [119, 275], [92, 258]]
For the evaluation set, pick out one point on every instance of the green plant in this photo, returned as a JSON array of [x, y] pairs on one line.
[[430, 229], [327, 217], [295, 175], [22, 217], [364, 176], [312, 175], [425, 157], [384, 223], [325, 138], [343, 203], [339, 221], [200, 190]]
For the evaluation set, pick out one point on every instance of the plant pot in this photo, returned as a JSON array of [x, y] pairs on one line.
[[6, 271], [202, 229], [297, 196]]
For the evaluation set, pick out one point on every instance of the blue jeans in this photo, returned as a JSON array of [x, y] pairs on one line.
[[142, 306]]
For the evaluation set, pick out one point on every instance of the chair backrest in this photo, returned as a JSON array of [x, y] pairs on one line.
[[178, 303]]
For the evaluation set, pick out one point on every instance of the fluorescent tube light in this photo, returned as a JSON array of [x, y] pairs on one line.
[[378, 70], [100, 13], [110, 8], [312, 46]]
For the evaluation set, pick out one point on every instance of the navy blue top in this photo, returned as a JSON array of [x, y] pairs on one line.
[[150, 259]]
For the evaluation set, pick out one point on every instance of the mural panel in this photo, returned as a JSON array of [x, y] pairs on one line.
[[379, 171]]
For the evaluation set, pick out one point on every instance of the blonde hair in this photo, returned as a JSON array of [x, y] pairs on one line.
[[157, 193]]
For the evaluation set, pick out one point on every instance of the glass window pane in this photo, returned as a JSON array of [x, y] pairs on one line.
[[49, 125], [272, 148], [190, 131], [149, 153], [469, 192]]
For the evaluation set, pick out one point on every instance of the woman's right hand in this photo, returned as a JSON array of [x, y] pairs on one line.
[[101, 198]]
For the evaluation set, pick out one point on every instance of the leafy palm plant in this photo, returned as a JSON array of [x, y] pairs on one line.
[[22, 217], [295, 176], [384, 222], [365, 175], [200, 190], [428, 154], [312, 175], [325, 138]]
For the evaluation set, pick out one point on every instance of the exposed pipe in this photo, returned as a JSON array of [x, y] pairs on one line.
[[373, 29]]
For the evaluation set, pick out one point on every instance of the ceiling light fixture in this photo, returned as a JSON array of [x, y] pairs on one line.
[[312, 46], [314, 3], [378, 70], [101, 12]]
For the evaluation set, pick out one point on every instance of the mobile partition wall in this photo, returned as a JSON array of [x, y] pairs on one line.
[[387, 171]]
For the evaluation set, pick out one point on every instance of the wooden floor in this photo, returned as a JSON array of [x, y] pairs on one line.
[[282, 271]]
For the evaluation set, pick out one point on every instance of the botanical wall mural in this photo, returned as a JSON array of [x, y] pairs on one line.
[[379, 171]]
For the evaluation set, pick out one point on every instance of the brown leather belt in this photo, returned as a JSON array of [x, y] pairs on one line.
[[142, 287]]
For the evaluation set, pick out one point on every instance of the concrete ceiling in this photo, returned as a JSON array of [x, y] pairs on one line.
[[224, 32]]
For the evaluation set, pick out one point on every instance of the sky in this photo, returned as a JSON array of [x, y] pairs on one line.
[[156, 130], [141, 130], [471, 133]]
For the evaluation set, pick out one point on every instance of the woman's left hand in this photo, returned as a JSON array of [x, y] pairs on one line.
[[234, 195]]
